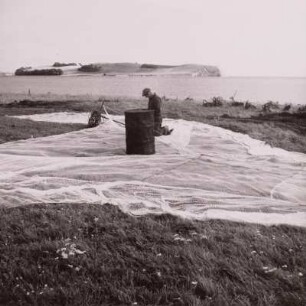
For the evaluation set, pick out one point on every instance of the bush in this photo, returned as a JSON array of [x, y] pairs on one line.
[[215, 102], [287, 107], [249, 105], [269, 106], [26, 71], [152, 66], [91, 68], [236, 103], [57, 64], [225, 116], [302, 109]]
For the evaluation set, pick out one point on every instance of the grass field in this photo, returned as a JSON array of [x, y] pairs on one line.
[[97, 255], [79, 254], [16, 129]]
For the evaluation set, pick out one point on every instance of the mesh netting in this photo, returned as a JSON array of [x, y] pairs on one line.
[[198, 172]]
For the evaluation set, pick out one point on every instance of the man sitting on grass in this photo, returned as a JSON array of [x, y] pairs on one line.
[[155, 103]]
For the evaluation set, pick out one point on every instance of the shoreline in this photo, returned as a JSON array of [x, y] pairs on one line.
[[256, 90]]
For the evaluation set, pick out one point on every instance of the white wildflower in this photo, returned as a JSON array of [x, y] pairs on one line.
[[271, 270], [64, 255], [77, 251]]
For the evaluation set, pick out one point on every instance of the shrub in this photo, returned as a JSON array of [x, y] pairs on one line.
[[91, 68], [215, 102], [236, 103], [207, 103], [269, 106], [249, 105], [287, 107], [26, 71], [218, 101], [225, 116], [302, 109], [152, 66], [57, 64]]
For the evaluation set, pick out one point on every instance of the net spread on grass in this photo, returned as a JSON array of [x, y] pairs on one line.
[[198, 172]]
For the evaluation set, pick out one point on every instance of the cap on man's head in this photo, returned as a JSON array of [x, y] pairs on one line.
[[145, 92]]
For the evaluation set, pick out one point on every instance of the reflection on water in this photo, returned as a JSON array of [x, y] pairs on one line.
[[284, 90]]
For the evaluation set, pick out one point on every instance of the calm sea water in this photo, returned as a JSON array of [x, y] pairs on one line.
[[283, 90]]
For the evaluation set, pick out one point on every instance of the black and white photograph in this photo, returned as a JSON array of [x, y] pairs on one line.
[[153, 152]]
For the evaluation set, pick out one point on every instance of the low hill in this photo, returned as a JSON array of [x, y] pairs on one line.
[[188, 69], [131, 69], [122, 69]]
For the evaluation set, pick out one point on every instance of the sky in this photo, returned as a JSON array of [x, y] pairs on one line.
[[241, 37]]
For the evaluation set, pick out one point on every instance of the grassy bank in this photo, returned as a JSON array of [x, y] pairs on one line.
[[285, 130], [97, 255]]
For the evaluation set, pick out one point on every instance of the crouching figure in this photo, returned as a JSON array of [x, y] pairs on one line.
[[155, 103]]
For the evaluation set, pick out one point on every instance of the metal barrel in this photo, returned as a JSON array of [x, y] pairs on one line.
[[139, 128]]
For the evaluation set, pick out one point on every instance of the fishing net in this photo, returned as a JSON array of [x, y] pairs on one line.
[[198, 172]]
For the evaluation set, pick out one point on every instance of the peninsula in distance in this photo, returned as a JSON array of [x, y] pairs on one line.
[[121, 69]]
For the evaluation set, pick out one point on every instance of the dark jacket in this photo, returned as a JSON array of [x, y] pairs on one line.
[[155, 103]]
